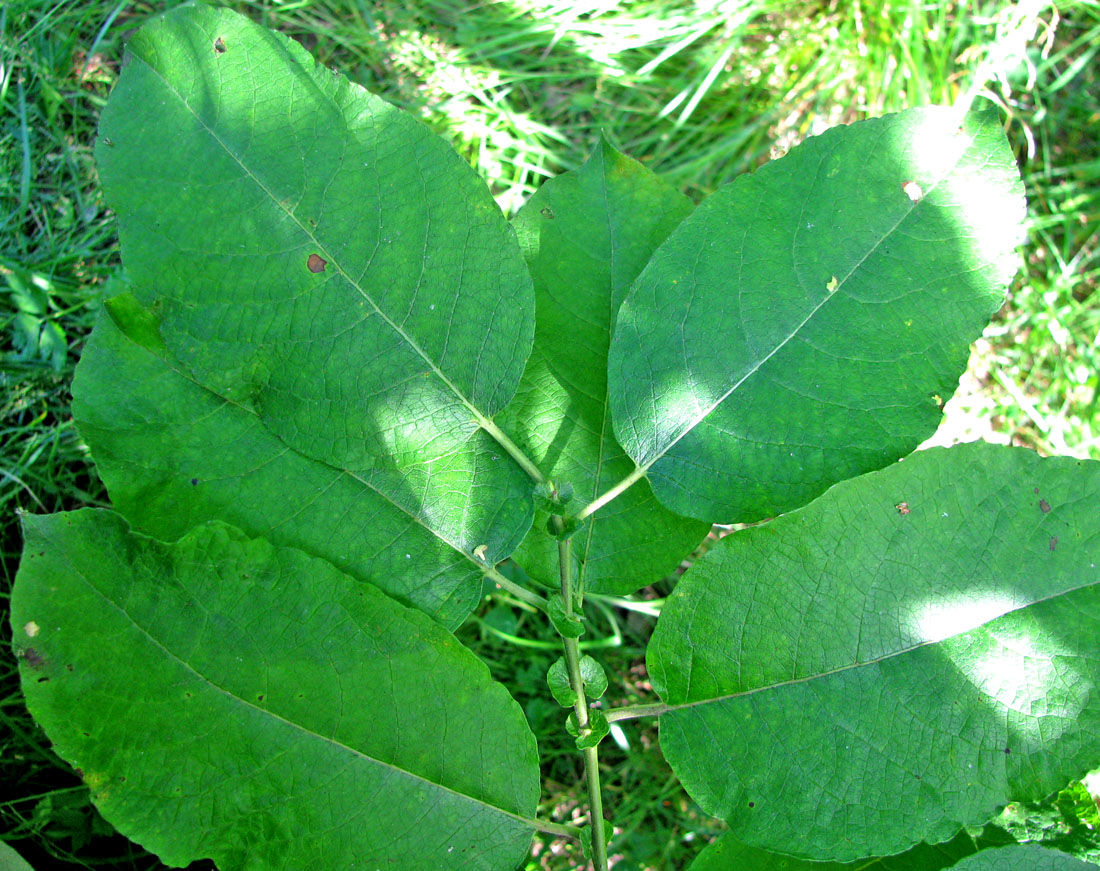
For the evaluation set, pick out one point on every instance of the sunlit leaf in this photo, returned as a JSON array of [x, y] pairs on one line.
[[224, 698], [806, 323], [897, 660]]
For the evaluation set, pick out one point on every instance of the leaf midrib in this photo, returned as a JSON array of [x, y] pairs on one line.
[[673, 707], [322, 249], [700, 417], [264, 711]]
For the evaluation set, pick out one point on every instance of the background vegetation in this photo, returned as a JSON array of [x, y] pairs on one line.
[[700, 91]]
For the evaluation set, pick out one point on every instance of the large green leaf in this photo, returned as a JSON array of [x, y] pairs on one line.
[[174, 455], [224, 698], [895, 661], [310, 252], [728, 854], [806, 323], [586, 236]]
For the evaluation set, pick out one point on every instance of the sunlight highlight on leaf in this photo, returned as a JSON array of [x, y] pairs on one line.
[[937, 620]]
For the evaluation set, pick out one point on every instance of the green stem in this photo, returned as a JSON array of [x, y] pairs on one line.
[[515, 589], [512, 449], [633, 712], [557, 829], [600, 501], [580, 708]]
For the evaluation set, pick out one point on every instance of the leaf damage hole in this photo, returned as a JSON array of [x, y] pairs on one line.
[[752, 804], [913, 191], [903, 508], [194, 482], [316, 263], [832, 284], [1044, 506], [31, 628], [219, 46]]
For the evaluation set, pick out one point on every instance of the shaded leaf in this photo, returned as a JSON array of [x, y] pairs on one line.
[[1028, 857], [174, 455], [310, 252], [586, 236], [850, 679], [281, 711], [803, 324], [728, 854]]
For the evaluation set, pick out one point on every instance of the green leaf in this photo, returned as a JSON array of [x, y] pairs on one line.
[[174, 455], [895, 661], [598, 728], [311, 252], [727, 854], [1027, 857], [224, 698], [586, 236], [567, 624], [806, 322], [1068, 821], [557, 678], [594, 677]]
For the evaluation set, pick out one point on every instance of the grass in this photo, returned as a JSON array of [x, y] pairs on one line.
[[700, 92]]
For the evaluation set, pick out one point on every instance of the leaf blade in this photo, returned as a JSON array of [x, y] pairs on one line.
[[818, 651], [271, 719], [586, 235], [309, 228], [174, 455], [784, 338]]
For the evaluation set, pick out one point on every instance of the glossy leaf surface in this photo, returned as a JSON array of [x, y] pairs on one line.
[[224, 698], [309, 251], [174, 454], [895, 661], [806, 323], [586, 236]]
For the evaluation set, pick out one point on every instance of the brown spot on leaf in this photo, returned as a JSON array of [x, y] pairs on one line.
[[1054, 542], [34, 658], [316, 263], [903, 508], [1044, 506], [219, 46]]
